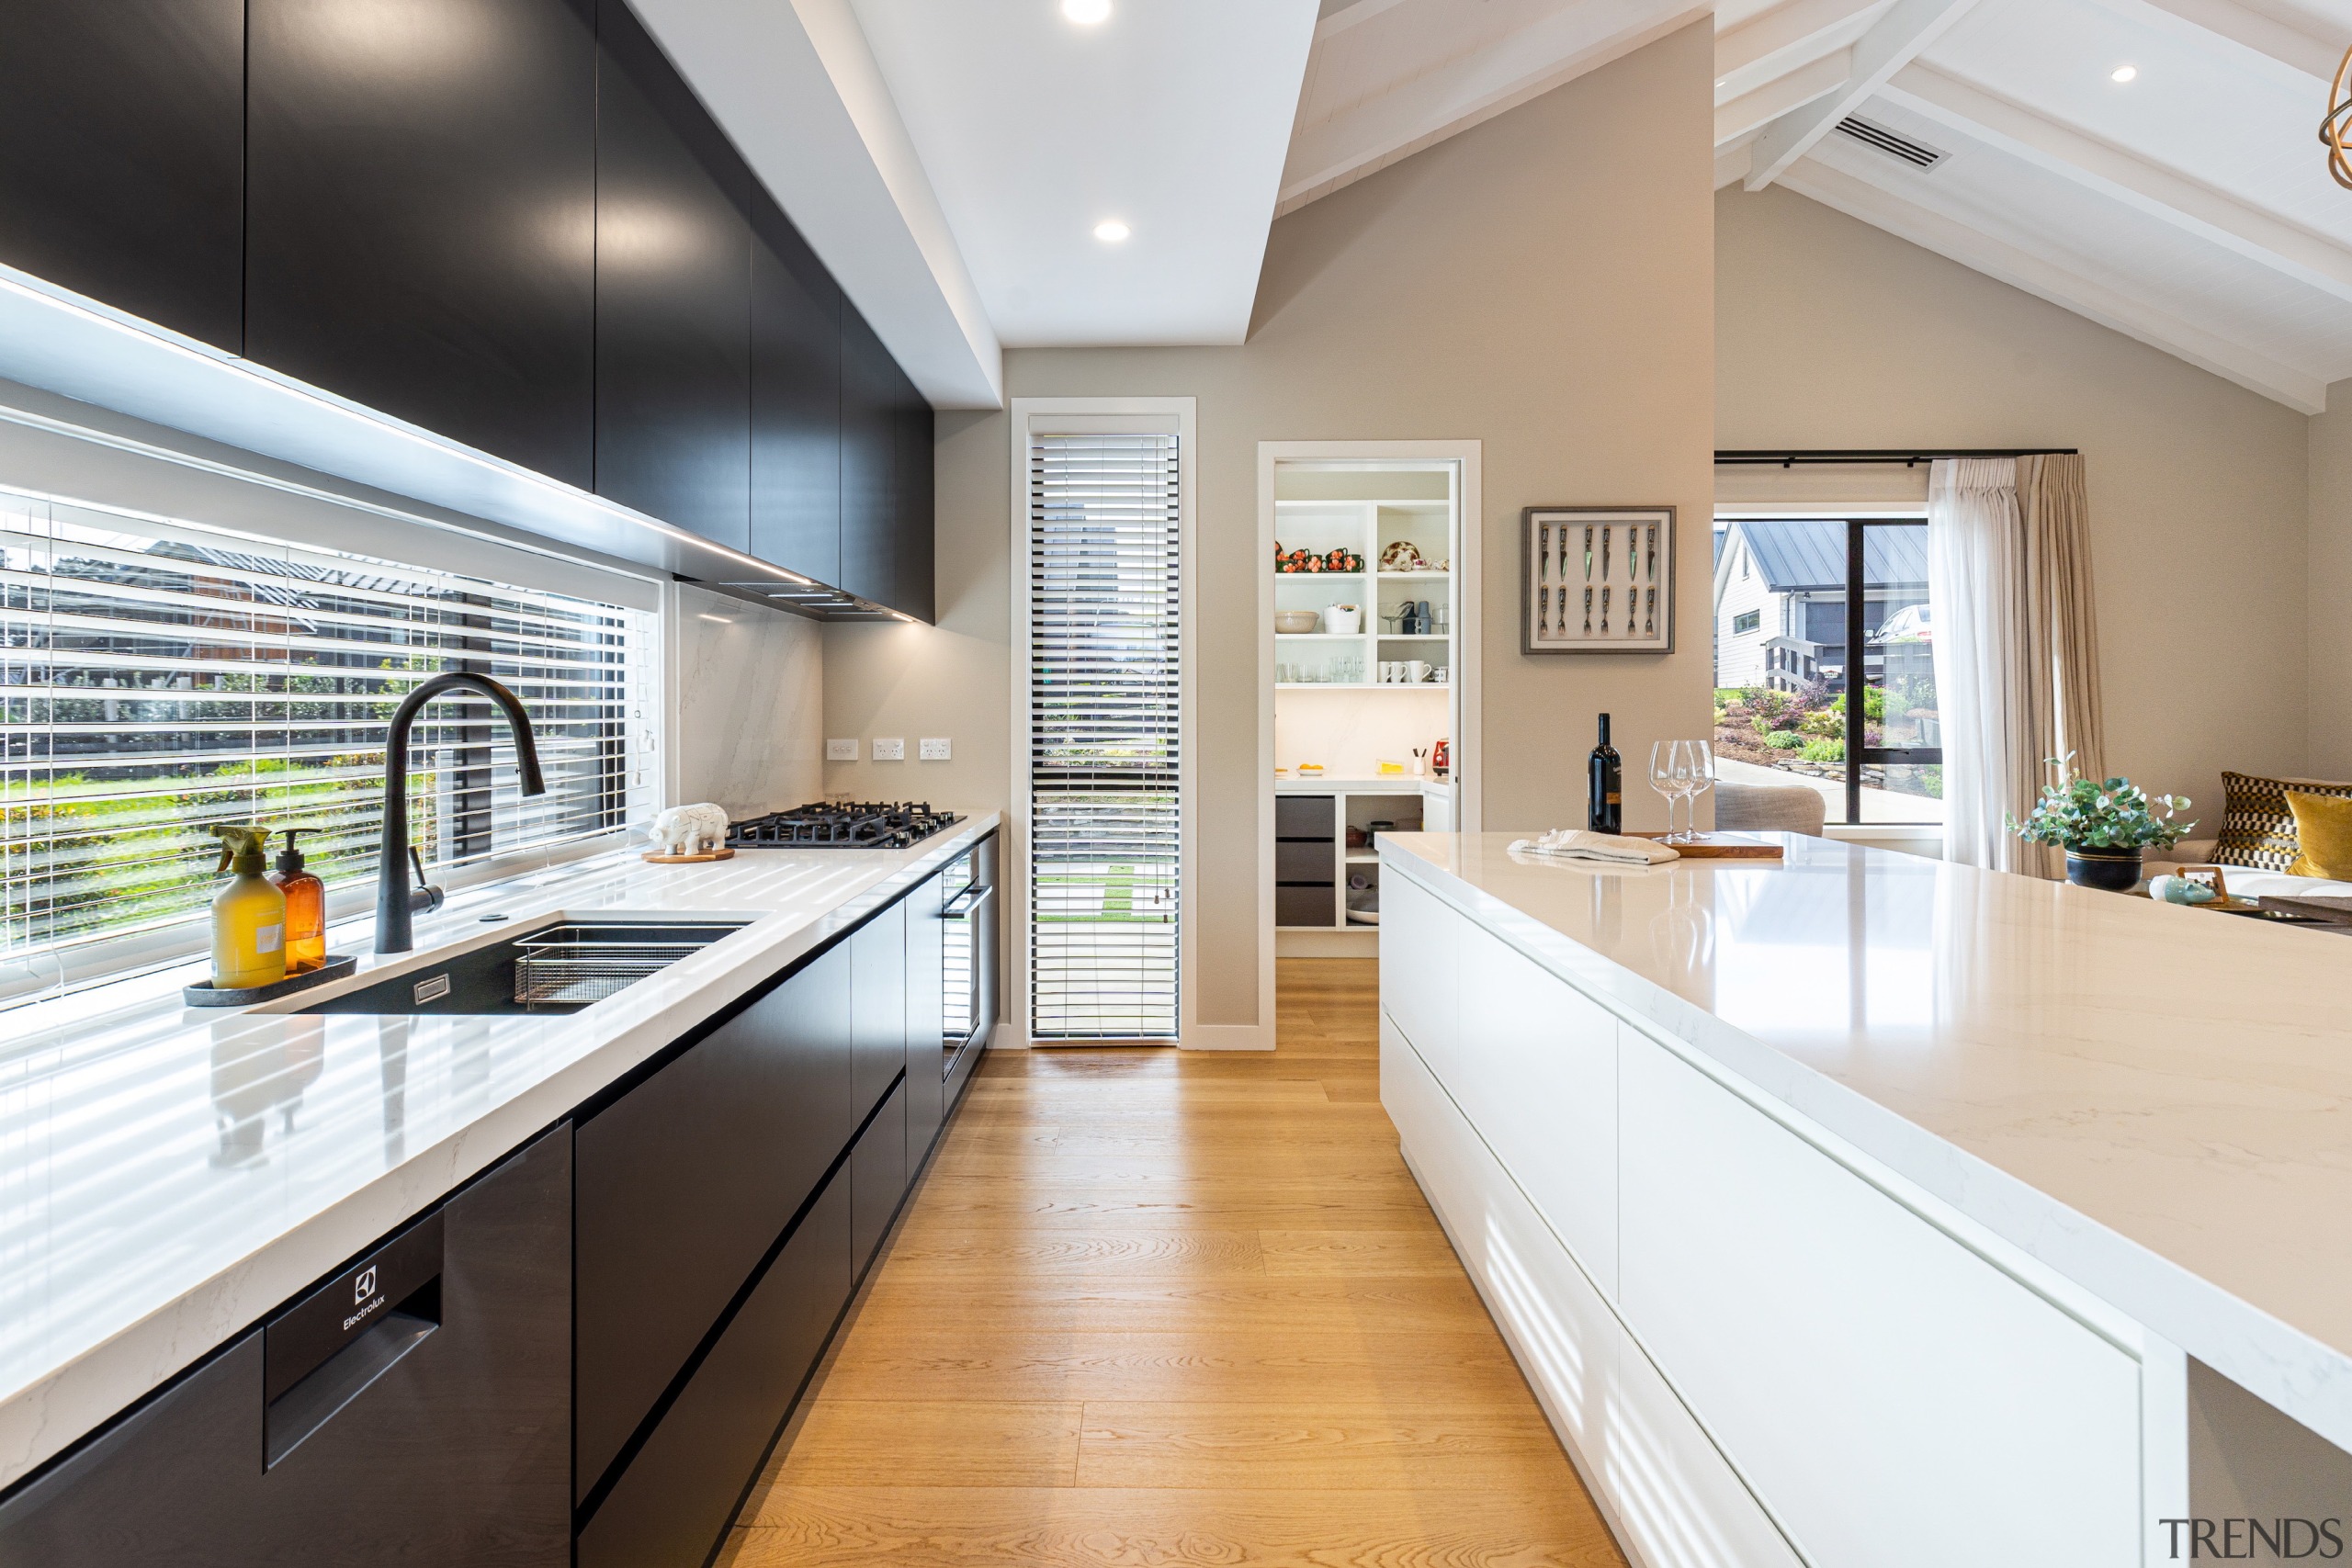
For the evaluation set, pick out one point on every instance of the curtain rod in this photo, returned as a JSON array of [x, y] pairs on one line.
[[1907, 456]]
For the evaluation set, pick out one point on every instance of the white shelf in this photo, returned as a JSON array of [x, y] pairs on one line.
[[1363, 860], [1327, 576], [1363, 686], [1324, 637], [1399, 576], [1416, 637]]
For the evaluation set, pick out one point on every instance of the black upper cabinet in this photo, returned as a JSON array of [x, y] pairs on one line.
[[121, 147], [796, 400], [911, 497], [869, 461], [673, 296], [421, 187]]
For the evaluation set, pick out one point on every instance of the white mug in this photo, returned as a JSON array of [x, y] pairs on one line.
[[1341, 619], [1388, 671], [1417, 670]]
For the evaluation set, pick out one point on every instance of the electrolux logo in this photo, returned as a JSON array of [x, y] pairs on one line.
[[2277, 1540], [363, 1287]]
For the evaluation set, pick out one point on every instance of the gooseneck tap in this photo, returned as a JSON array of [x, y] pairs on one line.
[[395, 900]]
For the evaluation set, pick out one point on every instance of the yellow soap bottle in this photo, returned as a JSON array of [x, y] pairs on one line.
[[248, 916]]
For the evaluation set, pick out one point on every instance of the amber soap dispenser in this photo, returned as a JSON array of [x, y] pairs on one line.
[[248, 916], [306, 908]]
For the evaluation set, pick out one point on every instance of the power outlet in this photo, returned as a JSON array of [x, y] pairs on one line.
[[840, 751], [889, 750], [936, 749]]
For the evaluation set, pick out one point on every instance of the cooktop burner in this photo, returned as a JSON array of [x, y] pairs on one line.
[[843, 825]]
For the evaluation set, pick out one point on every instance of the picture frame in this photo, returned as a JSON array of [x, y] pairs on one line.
[[1597, 580]]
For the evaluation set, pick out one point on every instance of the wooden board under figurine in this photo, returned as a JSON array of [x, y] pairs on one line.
[[1597, 580]]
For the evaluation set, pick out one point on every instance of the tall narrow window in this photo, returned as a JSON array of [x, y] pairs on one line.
[[1105, 726]]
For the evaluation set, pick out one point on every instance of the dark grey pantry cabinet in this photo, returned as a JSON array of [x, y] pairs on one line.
[[507, 221]]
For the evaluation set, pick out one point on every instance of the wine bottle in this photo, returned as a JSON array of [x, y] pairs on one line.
[[1605, 786]]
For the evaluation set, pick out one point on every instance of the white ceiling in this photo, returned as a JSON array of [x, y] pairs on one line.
[[1170, 117]]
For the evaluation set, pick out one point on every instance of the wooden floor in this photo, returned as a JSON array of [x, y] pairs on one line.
[[1152, 1307]]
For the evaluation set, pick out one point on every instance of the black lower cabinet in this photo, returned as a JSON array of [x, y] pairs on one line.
[[686, 1183], [877, 1171], [673, 1502], [926, 1017], [440, 1434]]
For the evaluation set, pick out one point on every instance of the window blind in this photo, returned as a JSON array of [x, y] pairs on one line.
[[1105, 641], [160, 677]]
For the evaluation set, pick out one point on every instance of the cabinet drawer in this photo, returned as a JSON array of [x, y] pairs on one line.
[[878, 1170], [679, 1492], [1303, 816], [877, 956], [1306, 906], [686, 1183], [1305, 863]]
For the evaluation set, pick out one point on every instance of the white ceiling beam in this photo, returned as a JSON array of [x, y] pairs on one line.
[[2125, 176], [2048, 273], [1466, 92], [2289, 51], [1351, 14], [1731, 166], [1753, 111], [1787, 36], [1893, 40]]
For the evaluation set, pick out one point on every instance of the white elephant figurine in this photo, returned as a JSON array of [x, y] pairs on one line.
[[690, 830]]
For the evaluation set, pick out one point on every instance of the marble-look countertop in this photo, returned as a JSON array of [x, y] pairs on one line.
[[2155, 1102], [169, 1175]]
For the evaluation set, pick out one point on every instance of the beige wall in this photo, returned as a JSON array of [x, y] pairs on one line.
[[1539, 284], [1831, 334], [2328, 589]]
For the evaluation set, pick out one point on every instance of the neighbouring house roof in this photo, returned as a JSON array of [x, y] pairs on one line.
[[1800, 555]]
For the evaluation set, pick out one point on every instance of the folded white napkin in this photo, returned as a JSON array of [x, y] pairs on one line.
[[1609, 849]]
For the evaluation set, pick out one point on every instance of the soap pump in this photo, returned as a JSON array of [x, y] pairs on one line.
[[248, 916], [306, 908]]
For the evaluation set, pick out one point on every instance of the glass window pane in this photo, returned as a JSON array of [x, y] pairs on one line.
[[1780, 623], [1899, 705]]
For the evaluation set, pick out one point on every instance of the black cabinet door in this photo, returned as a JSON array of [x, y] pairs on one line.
[[926, 1019], [457, 1453], [673, 296], [869, 462], [796, 400], [686, 1183], [911, 502], [421, 183], [877, 1174], [678, 1495], [879, 1005], [121, 155]]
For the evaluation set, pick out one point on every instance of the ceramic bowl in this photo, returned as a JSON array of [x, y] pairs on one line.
[[1292, 622]]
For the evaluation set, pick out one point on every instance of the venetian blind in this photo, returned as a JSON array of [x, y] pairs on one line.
[[161, 677], [1104, 732]]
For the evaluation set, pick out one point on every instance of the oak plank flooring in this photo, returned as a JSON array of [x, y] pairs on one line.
[[1154, 1308]]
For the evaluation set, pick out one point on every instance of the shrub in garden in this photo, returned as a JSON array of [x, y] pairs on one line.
[[1785, 740]]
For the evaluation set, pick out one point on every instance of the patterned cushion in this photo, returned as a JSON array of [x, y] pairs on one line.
[[2257, 825]]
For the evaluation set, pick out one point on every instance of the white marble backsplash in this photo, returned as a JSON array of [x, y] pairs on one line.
[[748, 704]]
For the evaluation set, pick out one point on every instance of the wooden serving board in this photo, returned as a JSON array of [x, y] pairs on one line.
[[1721, 846], [687, 859]]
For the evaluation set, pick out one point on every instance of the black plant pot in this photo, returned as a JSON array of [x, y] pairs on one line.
[[2110, 871]]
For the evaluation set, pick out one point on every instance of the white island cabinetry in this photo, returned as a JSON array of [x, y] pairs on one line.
[[1762, 1344]]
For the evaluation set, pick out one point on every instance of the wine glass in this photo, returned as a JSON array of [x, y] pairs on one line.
[[1698, 777], [1663, 757]]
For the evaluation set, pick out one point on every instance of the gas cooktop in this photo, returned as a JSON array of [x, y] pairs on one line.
[[841, 825]]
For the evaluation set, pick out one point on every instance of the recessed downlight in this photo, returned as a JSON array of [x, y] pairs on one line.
[[2123, 73], [1085, 13], [1111, 230]]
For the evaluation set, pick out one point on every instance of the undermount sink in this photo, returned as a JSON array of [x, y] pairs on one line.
[[557, 967]]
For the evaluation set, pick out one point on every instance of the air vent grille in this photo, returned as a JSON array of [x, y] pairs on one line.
[[1893, 143]]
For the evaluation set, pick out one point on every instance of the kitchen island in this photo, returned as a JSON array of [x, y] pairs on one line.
[[722, 1144], [1863, 1209]]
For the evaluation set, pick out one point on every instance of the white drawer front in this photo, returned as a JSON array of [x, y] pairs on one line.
[[1892, 1397], [1419, 970]]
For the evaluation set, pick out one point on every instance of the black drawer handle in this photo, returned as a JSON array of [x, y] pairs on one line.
[[321, 1353]]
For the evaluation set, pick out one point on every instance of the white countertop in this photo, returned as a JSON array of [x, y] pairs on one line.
[[2155, 1102], [169, 1175]]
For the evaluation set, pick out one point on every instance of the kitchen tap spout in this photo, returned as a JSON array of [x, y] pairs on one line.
[[395, 898]]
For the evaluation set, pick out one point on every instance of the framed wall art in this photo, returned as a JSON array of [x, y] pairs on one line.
[[1597, 579]]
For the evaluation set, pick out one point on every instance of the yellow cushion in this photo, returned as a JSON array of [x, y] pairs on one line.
[[2323, 832]]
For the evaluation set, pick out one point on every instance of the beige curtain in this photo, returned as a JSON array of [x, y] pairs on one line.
[[2016, 645]]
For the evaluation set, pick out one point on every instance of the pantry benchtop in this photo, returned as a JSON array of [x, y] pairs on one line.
[[169, 1175], [2153, 1102]]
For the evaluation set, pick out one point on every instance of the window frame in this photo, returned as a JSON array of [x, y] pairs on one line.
[[1857, 754]]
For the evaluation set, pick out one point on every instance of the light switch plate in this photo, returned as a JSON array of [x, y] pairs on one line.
[[889, 750], [936, 749], [840, 751]]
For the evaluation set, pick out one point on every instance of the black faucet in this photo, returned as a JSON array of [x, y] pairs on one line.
[[395, 900]]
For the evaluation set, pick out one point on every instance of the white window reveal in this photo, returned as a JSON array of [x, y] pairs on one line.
[[161, 676], [1104, 735]]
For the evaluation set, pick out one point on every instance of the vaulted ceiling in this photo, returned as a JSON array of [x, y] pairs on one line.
[[2186, 204]]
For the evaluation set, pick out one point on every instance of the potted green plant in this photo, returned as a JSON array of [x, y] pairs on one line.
[[2103, 827]]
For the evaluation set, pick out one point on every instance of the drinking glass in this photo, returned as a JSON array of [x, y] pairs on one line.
[[1664, 759], [1698, 777]]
